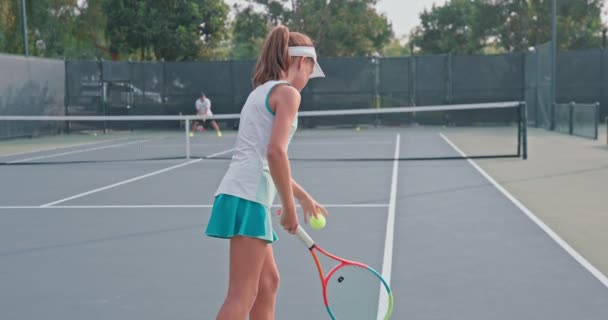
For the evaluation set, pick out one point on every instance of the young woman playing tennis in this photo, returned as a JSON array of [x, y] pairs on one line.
[[259, 169]]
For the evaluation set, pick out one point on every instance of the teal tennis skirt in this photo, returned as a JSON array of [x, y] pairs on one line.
[[233, 216]]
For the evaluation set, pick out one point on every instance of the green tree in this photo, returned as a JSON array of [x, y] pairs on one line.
[[86, 37], [56, 28], [515, 32], [340, 28], [166, 29], [49, 23], [249, 30], [344, 28], [475, 26], [459, 26], [579, 24], [7, 27], [527, 23], [396, 48]]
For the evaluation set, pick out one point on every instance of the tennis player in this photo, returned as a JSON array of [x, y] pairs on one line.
[[203, 108], [259, 169]]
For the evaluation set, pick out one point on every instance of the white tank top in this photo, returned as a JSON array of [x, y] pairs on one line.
[[248, 176]]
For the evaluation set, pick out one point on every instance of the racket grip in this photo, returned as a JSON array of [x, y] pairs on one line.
[[304, 237]]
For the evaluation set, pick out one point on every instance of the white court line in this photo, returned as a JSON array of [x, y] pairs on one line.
[[387, 263], [181, 206], [120, 183], [177, 145], [219, 153], [356, 205], [152, 206], [295, 143], [59, 148], [561, 242], [133, 179], [76, 151]]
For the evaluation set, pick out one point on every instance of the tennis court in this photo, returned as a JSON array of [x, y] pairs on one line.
[[96, 231]]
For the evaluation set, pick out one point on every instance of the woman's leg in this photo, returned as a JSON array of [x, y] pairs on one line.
[[247, 257], [263, 308]]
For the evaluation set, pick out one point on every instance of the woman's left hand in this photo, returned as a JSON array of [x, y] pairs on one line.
[[311, 207]]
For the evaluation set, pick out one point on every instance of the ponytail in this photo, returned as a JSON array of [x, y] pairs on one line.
[[274, 58]]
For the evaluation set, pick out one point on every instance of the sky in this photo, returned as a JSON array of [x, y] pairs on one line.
[[404, 14]]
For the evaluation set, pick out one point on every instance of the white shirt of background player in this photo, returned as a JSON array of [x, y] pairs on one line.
[[203, 106]]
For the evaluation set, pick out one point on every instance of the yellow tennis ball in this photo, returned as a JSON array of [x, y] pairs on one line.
[[191, 134], [318, 222]]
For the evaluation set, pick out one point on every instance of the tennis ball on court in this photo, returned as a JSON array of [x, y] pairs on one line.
[[358, 128], [318, 222], [191, 134]]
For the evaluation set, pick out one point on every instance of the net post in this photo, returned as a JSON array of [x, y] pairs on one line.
[[524, 129], [187, 134], [449, 81], [24, 28], [519, 129], [164, 91], [66, 109], [232, 84], [554, 48], [103, 89], [597, 120], [523, 75], [536, 85], [376, 62], [377, 99], [413, 79], [570, 117]]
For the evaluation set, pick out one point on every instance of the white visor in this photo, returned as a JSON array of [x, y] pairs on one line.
[[308, 52]]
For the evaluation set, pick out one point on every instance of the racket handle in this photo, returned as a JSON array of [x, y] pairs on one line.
[[305, 238]]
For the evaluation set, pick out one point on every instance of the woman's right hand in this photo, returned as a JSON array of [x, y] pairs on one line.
[[289, 219]]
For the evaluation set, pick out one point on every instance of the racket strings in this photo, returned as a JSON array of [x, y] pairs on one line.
[[357, 293]]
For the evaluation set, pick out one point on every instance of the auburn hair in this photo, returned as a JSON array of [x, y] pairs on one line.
[[274, 59]]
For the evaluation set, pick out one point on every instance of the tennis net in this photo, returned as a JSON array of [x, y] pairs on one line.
[[489, 130]]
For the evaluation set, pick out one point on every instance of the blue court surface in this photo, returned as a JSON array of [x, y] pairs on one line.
[[124, 240]]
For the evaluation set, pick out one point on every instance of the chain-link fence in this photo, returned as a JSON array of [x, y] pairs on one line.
[[537, 94], [30, 86], [604, 86], [487, 78], [581, 96], [351, 83], [579, 119], [579, 76], [36, 86]]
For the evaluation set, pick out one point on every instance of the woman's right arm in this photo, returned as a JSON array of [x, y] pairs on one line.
[[284, 101]]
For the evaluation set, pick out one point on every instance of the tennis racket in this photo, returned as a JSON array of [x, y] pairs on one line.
[[351, 290]]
